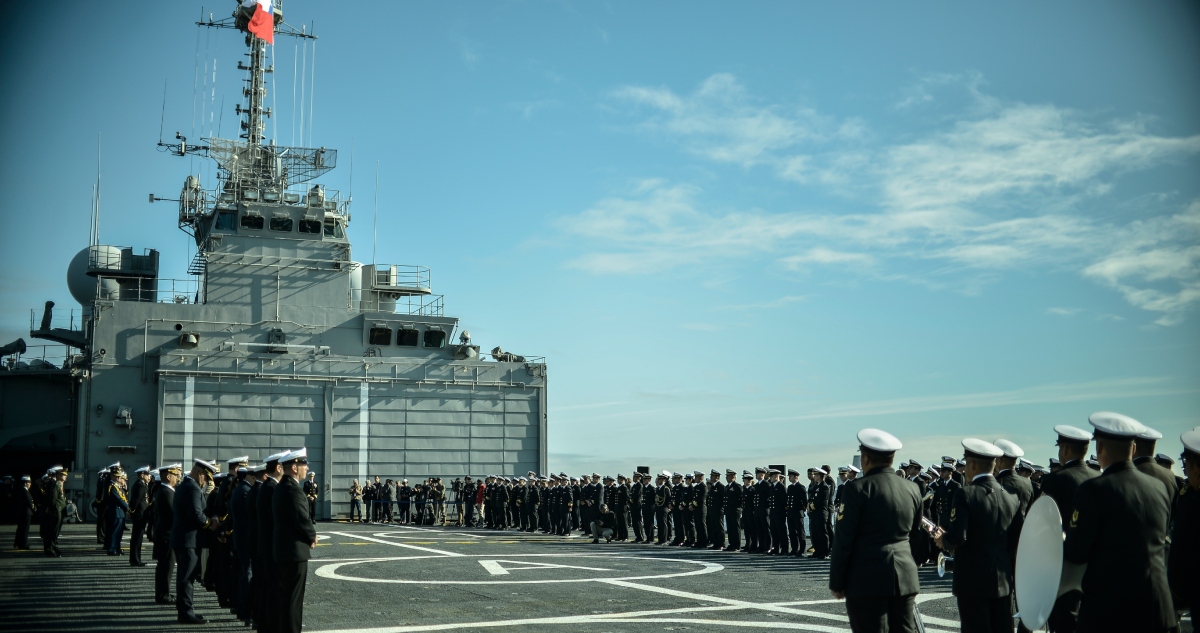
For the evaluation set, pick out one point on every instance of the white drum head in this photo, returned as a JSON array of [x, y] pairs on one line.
[[1039, 563]]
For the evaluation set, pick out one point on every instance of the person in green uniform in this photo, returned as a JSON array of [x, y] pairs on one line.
[[1118, 530], [56, 502]]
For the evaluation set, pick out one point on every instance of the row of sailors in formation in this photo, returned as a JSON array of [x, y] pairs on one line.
[[246, 533]]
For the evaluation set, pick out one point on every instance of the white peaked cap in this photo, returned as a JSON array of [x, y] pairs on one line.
[[1072, 434], [207, 465], [1009, 448], [879, 441], [982, 448], [244, 459], [300, 453], [1191, 441], [1116, 425], [1149, 434], [277, 456]]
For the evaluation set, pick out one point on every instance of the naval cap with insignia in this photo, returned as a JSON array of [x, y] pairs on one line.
[[1009, 448], [854, 469], [760, 469], [747, 474], [1191, 443], [715, 472], [793, 471], [878, 441], [176, 468], [1072, 435], [276, 457], [730, 471], [1041, 469], [914, 463], [143, 469], [299, 455], [1115, 425], [25, 478], [1023, 464], [1149, 434], [244, 459], [819, 470], [947, 458], [676, 474], [946, 465], [209, 466], [608, 478], [843, 469], [980, 448], [1163, 457]]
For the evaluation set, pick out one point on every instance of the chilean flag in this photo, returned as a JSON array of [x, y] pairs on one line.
[[262, 23]]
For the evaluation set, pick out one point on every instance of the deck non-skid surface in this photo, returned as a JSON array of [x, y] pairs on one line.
[[381, 578]]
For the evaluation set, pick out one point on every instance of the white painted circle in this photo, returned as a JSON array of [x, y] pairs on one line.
[[331, 571]]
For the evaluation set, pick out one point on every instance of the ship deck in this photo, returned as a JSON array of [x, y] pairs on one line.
[[380, 578]]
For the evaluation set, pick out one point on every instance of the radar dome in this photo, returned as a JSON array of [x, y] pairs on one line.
[[83, 286]]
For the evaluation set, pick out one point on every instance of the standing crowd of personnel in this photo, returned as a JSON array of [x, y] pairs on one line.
[[391, 501]]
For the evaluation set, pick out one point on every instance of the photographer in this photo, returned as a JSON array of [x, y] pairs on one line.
[[606, 521]]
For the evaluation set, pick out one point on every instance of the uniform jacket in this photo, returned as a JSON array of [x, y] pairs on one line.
[[699, 496], [294, 530], [733, 496], [635, 494], [716, 496], [820, 501], [266, 519], [189, 514], [243, 525], [117, 505], [984, 524], [797, 497], [1017, 485], [1119, 529], [662, 497], [1148, 466], [778, 497], [139, 497], [164, 512], [252, 518], [1185, 551], [943, 496], [762, 491], [311, 489], [25, 505], [1061, 485], [871, 554]]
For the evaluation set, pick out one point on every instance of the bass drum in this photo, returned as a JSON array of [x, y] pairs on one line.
[[1039, 563]]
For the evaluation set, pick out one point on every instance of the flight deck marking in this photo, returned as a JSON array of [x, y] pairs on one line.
[[331, 570], [496, 569], [385, 542]]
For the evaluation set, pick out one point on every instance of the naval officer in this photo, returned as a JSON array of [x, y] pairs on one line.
[[295, 537], [1185, 543], [1060, 485], [164, 519], [189, 519], [733, 510], [985, 521], [872, 566], [1118, 529], [139, 504], [797, 502], [25, 510], [1007, 477], [265, 615], [1143, 460]]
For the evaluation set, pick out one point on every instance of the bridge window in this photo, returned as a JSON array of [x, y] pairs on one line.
[[435, 338], [380, 335], [226, 221], [334, 229], [254, 222], [310, 226], [407, 338], [281, 223]]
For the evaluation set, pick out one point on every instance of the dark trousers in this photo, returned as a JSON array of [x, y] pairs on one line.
[[241, 572], [188, 563], [716, 533], [795, 527], [635, 518], [387, 511], [647, 523], [292, 579], [312, 509], [700, 518], [818, 524], [268, 596], [162, 570], [762, 529], [779, 538], [355, 506], [622, 526], [21, 541], [749, 529], [985, 615], [873, 614], [136, 537], [662, 515], [733, 525], [116, 529], [403, 512]]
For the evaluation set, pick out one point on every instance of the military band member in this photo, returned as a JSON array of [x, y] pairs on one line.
[[189, 519], [1143, 460], [56, 502], [26, 508], [1007, 476], [294, 539], [985, 522], [820, 509], [872, 566], [1118, 529], [164, 519], [715, 510], [749, 527], [662, 509], [1185, 546], [797, 504]]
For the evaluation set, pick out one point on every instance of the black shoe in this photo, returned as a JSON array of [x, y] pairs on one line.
[[192, 618], [595, 541], [137, 563], [165, 600]]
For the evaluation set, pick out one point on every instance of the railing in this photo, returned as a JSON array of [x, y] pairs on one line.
[[385, 277], [57, 320], [149, 290], [39, 357]]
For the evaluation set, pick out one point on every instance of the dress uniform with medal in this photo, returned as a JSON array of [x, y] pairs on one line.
[[871, 564]]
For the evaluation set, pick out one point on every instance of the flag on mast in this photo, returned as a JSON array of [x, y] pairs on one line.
[[262, 23]]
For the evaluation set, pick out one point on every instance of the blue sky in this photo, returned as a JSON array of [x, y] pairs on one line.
[[739, 232]]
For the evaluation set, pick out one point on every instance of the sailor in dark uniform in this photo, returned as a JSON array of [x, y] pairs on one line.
[[294, 539], [749, 529], [164, 519], [139, 503], [677, 505], [311, 491], [1185, 543], [662, 509], [649, 492], [25, 509], [56, 502], [1143, 459], [1118, 530], [731, 507], [635, 508], [872, 566], [762, 521], [687, 506], [797, 504], [1007, 476], [1164, 460], [985, 521], [699, 512], [943, 493], [265, 615], [715, 509], [243, 536], [621, 509], [820, 505], [116, 508], [1060, 485], [189, 519], [777, 513]]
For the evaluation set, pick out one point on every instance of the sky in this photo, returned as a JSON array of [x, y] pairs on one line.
[[738, 232]]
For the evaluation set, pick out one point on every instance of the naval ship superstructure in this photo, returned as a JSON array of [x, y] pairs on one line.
[[284, 340]]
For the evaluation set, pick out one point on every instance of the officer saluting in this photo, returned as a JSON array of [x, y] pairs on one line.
[[295, 537], [190, 519], [985, 522], [872, 566], [1118, 529]]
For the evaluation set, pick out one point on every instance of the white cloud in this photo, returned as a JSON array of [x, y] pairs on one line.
[[1008, 186], [1062, 312]]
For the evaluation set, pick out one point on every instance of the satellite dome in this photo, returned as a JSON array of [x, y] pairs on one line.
[[82, 285]]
